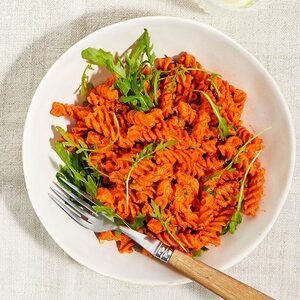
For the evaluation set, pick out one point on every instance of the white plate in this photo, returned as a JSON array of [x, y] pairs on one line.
[[265, 107]]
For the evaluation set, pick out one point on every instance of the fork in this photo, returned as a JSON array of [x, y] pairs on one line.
[[82, 212]]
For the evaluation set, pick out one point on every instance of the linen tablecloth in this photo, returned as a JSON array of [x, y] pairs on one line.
[[33, 34]]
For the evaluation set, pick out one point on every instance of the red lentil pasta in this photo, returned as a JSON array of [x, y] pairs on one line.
[[195, 180]]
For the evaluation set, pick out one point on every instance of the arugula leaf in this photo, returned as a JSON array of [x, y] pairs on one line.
[[137, 248], [129, 71], [109, 212], [243, 148], [158, 214], [123, 85], [209, 190], [171, 86], [234, 221], [138, 222], [144, 154], [200, 252], [75, 160], [91, 186], [163, 146], [141, 47], [86, 86], [63, 133], [218, 174], [155, 85], [235, 159], [73, 170], [148, 48], [213, 83], [167, 223], [117, 232], [194, 146], [224, 128], [87, 158], [104, 59], [237, 217], [82, 147], [66, 158], [60, 150], [182, 70], [224, 230], [140, 100]]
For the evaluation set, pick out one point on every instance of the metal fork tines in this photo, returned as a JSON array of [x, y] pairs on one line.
[[78, 205], [80, 210]]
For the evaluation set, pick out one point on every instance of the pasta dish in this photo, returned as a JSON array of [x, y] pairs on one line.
[[162, 147]]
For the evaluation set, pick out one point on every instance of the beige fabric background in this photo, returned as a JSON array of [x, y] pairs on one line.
[[33, 34]]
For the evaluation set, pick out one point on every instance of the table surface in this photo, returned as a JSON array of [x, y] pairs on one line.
[[33, 34]]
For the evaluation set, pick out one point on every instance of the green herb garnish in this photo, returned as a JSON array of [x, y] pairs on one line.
[[224, 230], [138, 222], [117, 232], [86, 86], [155, 85], [224, 128], [237, 217], [209, 190], [129, 70], [235, 159], [73, 170], [200, 252], [137, 248], [158, 214], [103, 58], [181, 70], [108, 212], [81, 147], [213, 83], [144, 154]]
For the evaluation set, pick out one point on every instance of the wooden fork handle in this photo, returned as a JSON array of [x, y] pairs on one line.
[[214, 280]]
